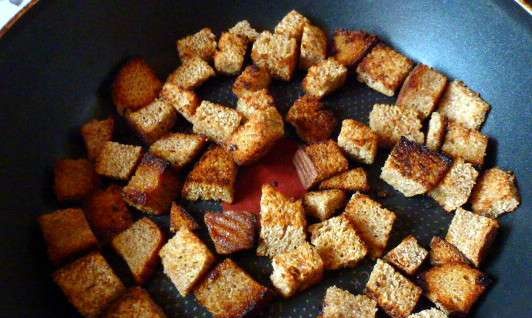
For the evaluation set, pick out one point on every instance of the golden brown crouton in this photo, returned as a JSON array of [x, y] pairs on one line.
[[422, 90], [229, 58], [351, 181], [384, 69], [74, 179], [252, 79], [313, 47], [495, 193], [153, 121], [339, 303], [185, 260], [191, 74], [413, 169], [323, 204], [153, 186], [350, 46], [212, 178], [216, 121], [442, 252], [292, 25], [231, 231], [324, 78], [117, 160], [135, 303], [254, 102], [472, 234], [179, 149], [313, 122], [66, 233], [244, 29], [468, 144], [319, 161], [358, 141], [277, 53], [180, 219], [407, 256], [95, 134], [436, 131], [229, 292], [135, 86], [371, 221], [392, 291], [184, 101], [201, 44], [391, 122], [429, 313], [89, 284], [296, 270], [462, 105]]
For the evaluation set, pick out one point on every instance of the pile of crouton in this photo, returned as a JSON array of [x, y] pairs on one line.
[[436, 149]]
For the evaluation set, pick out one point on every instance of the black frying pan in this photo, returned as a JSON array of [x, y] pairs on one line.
[[56, 64]]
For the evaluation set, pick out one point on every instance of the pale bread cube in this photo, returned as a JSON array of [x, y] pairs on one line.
[[495, 193], [229, 58], [429, 313], [324, 78], [277, 53], [461, 104], [292, 25], [313, 47], [183, 100], [216, 121], [358, 141], [436, 131], [201, 44], [254, 102], [465, 143], [408, 256], [191, 74], [179, 149], [118, 161], [352, 180], [391, 122], [245, 30], [323, 204], [339, 303]]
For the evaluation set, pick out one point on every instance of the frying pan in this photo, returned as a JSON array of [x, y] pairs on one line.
[[57, 62]]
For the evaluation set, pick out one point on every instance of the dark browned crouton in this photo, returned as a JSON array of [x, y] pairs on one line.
[[180, 219], [95, 134], [313, 122], [231, 231], [201, 44], [74, 179], [252, 79], [407, 256], [191, 74], [118, 161], [183, 100], [442, 252], [350, 46], [495, 193], [153, 121], [351, 180], [179, 149], [465, 143], [135, 303], [313, 47], [277, 53]]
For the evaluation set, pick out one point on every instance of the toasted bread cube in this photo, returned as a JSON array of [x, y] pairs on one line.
[[229, 58], [319, 161], [312, 121], [461, 104], [139, 246], [153, 186], [117, 160], [231, 231], [184, 101], [95, 134], [252, 79], [468, 144], [391, 122], [191, 74], [212, 178], [67, 233], [74, 179], [185, 260], [276, 53], [454, 287], [436, 131], [229, 292], [296, 270], [472, 234], [495, 193], [252, 103], [341, 303], [358, 141], [351, 180], [371, 221], [455, 188], [413, 169], [153, 121], [179, 149], [350, 46], [180, 219], [429, 313], [392, 291], [245, 30], [323, 204], [324, 78], [422, 90], [89, 284], [313, 47], [135, 86], [442, 252], [216, 121], [407, 256], [292, 25], [201, 44], [135, 303]]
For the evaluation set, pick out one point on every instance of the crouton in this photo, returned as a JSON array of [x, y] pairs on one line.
[[461, 104], [184, 101], [319, 161], [139, 246], [135, 86], [422, 90], [468, 144], [324, 78], [296, 270], [135, 303], [407, 256], [339, 303], [371, 221], [436, 131], [229, 292], [252, 79], [201, 44], [313, 47], [292, 25], [323, 204], [66, 233], [180, 219], [153, 186], [495, 193], [216, 121], [391, 122], [117, 160], [472, 234], [312, 121], [455, 188], [185, 260], [358, 141], [244, 29], [442, 252], [454, 287], [95, 134], [413, 169], [153, 121], [89, 284], [231, 231], [229, 58], [212, 178], [392, 291], [351, 180], [350, 46], [191, 74], [107, 213], [276, 53], [252, 103], [429, 313], [179, 149], [337, 243], [74, 179]]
